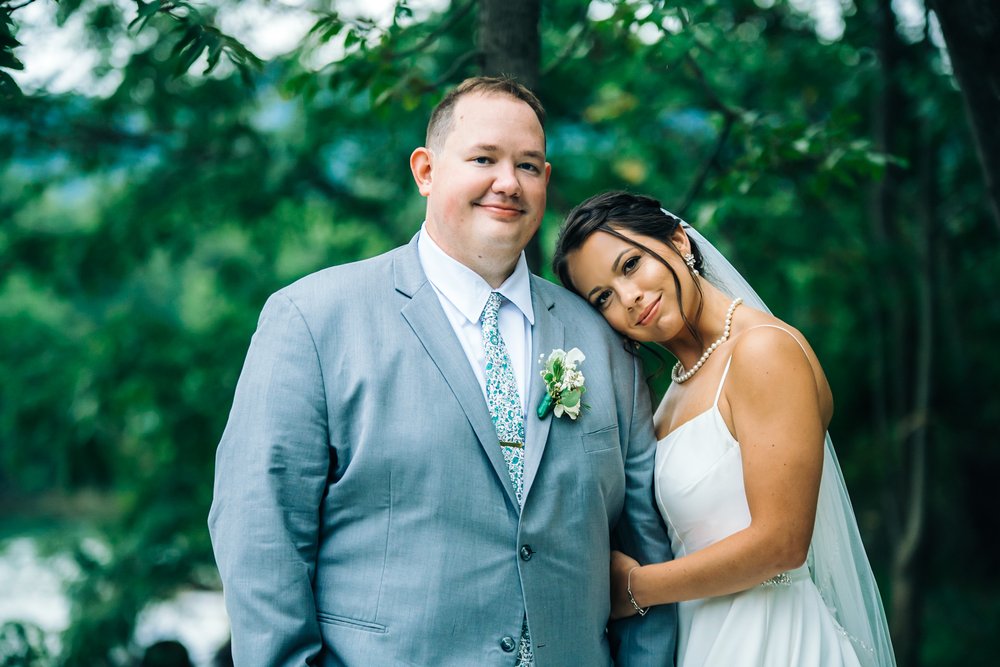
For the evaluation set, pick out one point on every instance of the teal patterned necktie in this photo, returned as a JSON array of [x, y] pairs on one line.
[[502, 395], [504, 401]]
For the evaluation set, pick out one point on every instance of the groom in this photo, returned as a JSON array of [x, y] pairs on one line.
[[386, 492]]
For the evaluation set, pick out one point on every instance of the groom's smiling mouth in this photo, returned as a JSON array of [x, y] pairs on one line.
[[500, 209]]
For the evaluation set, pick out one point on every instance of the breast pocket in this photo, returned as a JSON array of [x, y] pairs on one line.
[[605, 438]]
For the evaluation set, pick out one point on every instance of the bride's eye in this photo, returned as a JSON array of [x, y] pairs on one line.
[[630, 264], [601, 300]]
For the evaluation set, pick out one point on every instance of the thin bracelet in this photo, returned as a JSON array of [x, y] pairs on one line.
[[640, 610]]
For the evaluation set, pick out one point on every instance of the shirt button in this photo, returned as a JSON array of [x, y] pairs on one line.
[[507, 644], [526, 552]]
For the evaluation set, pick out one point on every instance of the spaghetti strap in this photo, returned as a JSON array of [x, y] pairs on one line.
[[718, 392], [775, 326]]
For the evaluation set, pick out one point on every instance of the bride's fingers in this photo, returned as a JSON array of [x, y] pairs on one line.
[[621, 565], [620, 562]]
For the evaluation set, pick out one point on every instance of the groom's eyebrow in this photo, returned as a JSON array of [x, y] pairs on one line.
[[493, 148]]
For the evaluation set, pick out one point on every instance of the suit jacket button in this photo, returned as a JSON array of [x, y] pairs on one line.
[[507, 644], [526, 552]]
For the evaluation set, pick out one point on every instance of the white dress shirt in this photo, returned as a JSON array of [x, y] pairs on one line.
[[463, 294]]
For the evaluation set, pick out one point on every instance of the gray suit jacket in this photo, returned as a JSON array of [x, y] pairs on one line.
[[363, 513]]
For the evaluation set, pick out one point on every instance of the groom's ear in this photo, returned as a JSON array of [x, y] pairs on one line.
[[421, 167]]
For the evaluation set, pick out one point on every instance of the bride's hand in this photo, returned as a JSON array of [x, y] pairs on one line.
[[621, 565]]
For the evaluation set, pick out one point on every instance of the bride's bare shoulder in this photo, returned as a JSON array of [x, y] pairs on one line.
[[758, 328], [769, 350]]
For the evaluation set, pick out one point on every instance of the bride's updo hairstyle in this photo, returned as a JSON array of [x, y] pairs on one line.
[[614, 212]]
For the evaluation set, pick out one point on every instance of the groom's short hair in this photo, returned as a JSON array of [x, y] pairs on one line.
[[442, 118]]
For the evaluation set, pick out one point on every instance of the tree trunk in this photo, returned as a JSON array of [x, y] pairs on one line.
[[972, 32], [510, 44], [907, 598], [904, 319], [509, 39], [888, 319]]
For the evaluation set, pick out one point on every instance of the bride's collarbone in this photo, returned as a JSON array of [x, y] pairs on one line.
[[684, 402]]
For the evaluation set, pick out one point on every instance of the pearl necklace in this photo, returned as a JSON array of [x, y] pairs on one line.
[[679, 375]]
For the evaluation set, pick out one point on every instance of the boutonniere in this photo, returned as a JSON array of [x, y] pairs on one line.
[[563, 383]]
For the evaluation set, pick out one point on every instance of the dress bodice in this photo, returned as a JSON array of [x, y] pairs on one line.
[[699, 481], [701, 496]]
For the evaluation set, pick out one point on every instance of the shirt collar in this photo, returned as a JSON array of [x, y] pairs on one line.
[[467, 290]]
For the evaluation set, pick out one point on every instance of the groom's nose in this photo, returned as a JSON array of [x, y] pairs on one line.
[[505, 180]]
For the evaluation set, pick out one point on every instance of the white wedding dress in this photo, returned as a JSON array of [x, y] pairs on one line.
[[781, 623]]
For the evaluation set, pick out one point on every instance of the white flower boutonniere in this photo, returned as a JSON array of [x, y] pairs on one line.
[[563, 383]]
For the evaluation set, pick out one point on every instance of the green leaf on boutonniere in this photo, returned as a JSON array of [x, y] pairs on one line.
[[563, 383], [570, 398]]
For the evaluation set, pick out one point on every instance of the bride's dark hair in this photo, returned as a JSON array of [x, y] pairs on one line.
[[613, 211]]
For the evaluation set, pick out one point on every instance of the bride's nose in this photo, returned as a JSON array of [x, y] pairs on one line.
[[632, 297]]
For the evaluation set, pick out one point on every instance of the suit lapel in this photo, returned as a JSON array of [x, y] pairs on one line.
[[425, 316], [546, 335]]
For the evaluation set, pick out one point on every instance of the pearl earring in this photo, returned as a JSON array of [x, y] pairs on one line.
[[689, 260]]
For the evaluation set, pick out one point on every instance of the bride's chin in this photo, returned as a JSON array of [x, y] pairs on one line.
[[621, 332], [630, 335]]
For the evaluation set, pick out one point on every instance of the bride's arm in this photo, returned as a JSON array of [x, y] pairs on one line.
[[776, 416]]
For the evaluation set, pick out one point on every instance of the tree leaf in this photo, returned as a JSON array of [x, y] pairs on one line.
[[8, 87]]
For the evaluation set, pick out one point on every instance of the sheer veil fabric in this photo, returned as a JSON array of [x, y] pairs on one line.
[[837, 561]]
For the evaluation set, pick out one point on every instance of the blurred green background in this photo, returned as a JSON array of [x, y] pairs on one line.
[[185, 160]]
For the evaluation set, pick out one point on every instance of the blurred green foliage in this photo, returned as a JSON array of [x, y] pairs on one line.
[[22, 645], [141, 232]]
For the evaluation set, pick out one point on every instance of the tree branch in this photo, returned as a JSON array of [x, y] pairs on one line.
[[16, 7], [970, 31], [457, 16], [706, 166], [718, 103], [567, 50], [455, 66]]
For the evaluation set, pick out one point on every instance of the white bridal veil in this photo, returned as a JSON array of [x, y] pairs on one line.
[[837, 560]]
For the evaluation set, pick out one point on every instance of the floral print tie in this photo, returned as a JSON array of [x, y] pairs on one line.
[[504, 401]]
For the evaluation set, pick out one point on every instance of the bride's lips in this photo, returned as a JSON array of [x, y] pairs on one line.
[[647, 315]]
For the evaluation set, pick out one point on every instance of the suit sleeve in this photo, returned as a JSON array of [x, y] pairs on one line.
[[649, 640], [271, 472]]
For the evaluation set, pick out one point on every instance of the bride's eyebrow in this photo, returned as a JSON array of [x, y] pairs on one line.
[[614, 267]]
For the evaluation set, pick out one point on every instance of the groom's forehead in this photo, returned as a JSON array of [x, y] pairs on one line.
[[495, 120]]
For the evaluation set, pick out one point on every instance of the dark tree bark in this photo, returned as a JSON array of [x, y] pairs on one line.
[[902, 322], [510, 44], [509, 39], [972, 32]]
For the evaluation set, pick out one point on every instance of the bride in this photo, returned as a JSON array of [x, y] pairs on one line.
[[769, 568]]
